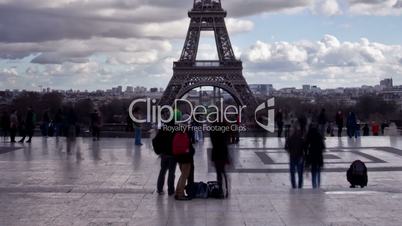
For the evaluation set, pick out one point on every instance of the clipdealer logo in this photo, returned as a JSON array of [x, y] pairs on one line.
[[210, 114], [269, 107]]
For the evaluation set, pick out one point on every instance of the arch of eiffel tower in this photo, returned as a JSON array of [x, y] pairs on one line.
[[225, 73]]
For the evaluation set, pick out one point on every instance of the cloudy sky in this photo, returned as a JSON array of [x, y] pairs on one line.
[[97, 44]]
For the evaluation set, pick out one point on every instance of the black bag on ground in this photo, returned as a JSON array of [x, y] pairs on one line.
[[357, 174], [197, 190], [215, 190]]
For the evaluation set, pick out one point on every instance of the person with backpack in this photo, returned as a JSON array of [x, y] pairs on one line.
[[162, 144], [295, 147], [220, 155], [315, 147], [183, 151]]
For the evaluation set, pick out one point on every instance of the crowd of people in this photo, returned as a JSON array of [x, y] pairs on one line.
[[63, 123], [175, 147], [305, 150], [327, 127]]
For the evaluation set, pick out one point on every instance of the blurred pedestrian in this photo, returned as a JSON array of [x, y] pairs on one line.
[[5, 125], [279, 122], [45, 124], [58, 121], [351, 124], [30, 122], [366, 130], [339, 122], [315, 147], [137, 126], [295, 147], [322, 121], [95, 125], [375, 128], [13, 125]]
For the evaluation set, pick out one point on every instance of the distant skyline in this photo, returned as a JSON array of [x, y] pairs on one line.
[[98, 44]]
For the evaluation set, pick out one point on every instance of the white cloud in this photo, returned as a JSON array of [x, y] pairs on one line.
[[327, 62], [375, 7], [327, 7]]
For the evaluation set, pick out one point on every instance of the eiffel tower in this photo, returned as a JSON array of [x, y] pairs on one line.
[[225, 73]]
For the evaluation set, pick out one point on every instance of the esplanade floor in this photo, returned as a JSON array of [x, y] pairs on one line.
[[112, 182]]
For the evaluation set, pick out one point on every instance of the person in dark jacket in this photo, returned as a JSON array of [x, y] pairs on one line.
[[58, 120], [279, 122], [14, 124], [339, 122], [322, 121], [168, 162], [295, 147], [96, 122], [351, 124], [5, 124], [186, 165], [366, 130], [45, 123], [315, 147], [30, 121], [220, 154]]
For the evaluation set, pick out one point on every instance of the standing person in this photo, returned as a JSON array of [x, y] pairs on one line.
[[95, 125], [315, 147], [13, 125], [384, 125], [137, 127], [45, 123], [30, 121], [375, 128], [183, 151], [197, 128], [302, 120], [220, 155], [295, 147], [322, 121], [58, 120], [366, 130], [168, 161], [279, 122], [339, 122], [5, 124], [351, 124], [288, 123], [71, 121]]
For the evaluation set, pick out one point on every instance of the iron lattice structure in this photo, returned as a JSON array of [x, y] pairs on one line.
[[226, 73]]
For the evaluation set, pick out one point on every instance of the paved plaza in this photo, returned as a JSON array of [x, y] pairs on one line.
[[112, 182]]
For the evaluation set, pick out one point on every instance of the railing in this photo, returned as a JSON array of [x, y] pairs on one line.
[[205, 63], [208, 63]]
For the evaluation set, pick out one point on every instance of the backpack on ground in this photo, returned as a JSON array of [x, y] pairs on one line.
[[215, 190], [197, 190], [181, 144], [357, 174]]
